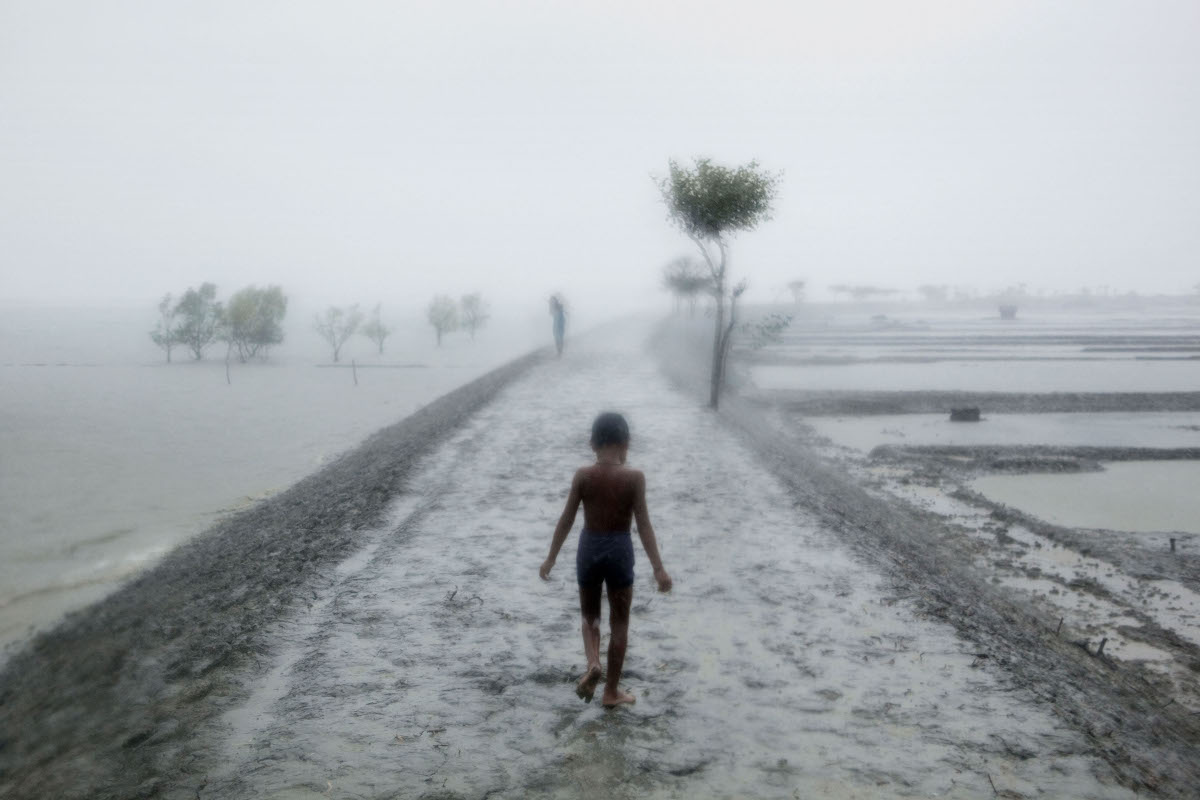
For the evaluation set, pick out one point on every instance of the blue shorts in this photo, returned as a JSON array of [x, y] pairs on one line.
[[604, 558]]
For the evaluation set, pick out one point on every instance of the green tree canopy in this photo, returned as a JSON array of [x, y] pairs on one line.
[[709, 203], [442, 315], [200, 317], [253, 320], [687, 279], [164, 334]]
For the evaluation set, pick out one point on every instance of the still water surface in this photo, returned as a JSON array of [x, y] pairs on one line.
[[1137, 496]]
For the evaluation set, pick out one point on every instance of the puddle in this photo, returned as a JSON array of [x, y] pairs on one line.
[[1166, 603], [1135, 496], [1116, 429], [1083, 375]]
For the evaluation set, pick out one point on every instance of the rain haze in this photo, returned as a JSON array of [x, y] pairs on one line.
[[399, 149], [309, 313]]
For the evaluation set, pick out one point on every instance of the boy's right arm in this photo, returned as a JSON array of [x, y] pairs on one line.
[[646, 531], [564, 524]]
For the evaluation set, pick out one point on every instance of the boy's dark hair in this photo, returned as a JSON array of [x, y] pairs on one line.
[[610, 428]]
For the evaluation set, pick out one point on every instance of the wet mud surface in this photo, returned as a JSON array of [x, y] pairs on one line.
[[441, 666], [1044, 600], [822, 640], [1025, 458], [108, 703]]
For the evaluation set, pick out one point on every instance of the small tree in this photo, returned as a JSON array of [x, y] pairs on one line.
[[442, 315], [253, 320], [797, 287], [375, 330], [767, 330], [164, 334], [200, 318], [709, 203], [338, 325], [861, 293], [687, 279], [934, 293], [474, 312]]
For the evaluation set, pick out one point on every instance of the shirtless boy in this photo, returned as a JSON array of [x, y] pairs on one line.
[[612, 495]]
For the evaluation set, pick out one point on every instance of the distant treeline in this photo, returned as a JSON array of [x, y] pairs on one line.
[[251, 321]]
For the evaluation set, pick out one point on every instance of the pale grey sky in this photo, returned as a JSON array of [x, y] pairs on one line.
[[389, 150]]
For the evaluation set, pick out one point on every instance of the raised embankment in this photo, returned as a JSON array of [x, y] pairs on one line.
[[103, 704], [862, 403]]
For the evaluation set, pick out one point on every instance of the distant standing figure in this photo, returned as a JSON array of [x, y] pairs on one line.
[[613, 496], [559, 312]]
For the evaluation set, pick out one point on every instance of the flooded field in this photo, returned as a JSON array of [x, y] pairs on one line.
[[1081, 375], [108, 461], [1097, 474], [1046, 350], [1135, 496], [851, 332], [1111, 429]]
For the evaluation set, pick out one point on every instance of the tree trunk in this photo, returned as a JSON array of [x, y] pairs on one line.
[[726, 338], [718, 349]]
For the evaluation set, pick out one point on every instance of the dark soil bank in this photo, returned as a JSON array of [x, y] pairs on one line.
[[1149, 741], [834, 403], [104, 704]]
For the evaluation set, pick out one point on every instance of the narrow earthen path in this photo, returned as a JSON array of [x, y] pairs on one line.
[[437, 664]]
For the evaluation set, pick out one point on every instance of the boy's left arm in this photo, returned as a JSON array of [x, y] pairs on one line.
[[641, 515], [564, 524]]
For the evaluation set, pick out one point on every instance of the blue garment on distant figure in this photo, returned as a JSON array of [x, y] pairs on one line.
[[604, 558], [560, 325]]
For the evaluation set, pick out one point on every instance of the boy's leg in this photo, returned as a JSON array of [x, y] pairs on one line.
[[619, 602], [589, 606]]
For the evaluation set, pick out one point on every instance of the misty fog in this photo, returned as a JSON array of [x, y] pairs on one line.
[[306, 310]]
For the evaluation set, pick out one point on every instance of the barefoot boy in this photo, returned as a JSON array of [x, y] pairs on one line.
[[612, 496]]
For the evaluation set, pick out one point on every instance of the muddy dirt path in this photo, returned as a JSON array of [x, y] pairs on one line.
[[435, 663]]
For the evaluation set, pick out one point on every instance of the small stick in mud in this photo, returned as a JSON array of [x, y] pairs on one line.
[[995, 791], [1100, 649], [1172, 544], [1059, 628]]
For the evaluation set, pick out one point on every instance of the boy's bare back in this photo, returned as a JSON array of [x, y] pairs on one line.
[[610, 494]]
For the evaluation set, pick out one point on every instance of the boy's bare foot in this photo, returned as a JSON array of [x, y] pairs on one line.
[[586, 687], [616, 699]]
